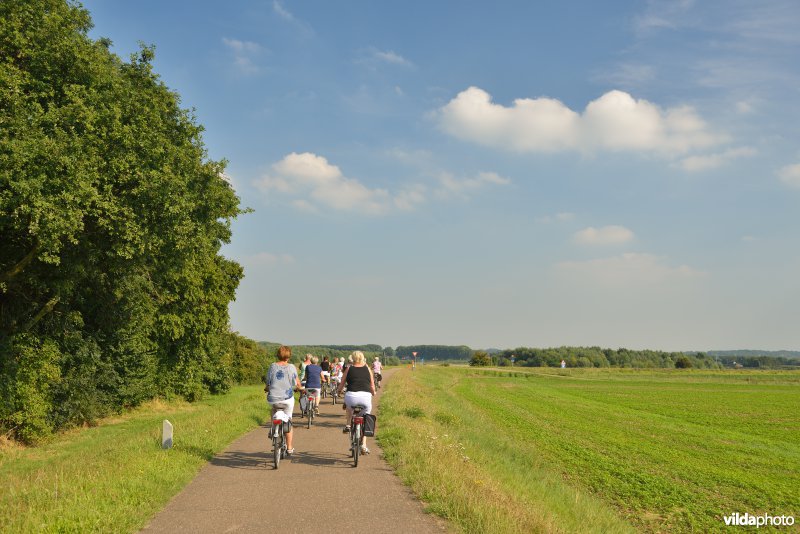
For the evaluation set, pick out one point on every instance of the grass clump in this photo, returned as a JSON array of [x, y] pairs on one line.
[[115, 477]]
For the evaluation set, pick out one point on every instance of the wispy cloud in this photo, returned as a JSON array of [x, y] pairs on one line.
[[629, 269], [627, 75], [282, 11], [244, 54], [712, 161], [451, 185], [614, 122], [663, 14], [303, 27], [558, 217], [790, 175], [373, 57], [317, 185], [389, 56], [606, 235]]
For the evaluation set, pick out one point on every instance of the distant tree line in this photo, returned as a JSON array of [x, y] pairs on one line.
[[759, 362], [599, 357], [787, 354], [351, 348], [435, 352], [112, 287]]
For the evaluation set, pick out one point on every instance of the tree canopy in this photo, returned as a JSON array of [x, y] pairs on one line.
[[112, 285]]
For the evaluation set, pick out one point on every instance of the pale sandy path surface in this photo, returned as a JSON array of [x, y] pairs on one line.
[[240, 491]]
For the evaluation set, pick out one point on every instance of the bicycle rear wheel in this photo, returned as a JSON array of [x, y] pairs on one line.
[[277, 449], [356, 444], [310, 414]]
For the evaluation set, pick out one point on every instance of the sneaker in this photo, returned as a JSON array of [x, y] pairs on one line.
[[346, 429], [364, 449], [290, 452]]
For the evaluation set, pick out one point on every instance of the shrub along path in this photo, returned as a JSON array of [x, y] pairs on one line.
[[316, 490]]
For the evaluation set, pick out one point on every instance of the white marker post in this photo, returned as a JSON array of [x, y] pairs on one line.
[[166, 435], [414, 361]]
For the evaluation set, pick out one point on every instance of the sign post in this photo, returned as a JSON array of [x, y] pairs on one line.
[[414, 361]]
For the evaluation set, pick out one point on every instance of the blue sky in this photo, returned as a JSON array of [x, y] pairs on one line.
[[622, 174]]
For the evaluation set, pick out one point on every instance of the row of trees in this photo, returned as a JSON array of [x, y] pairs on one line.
[[435, 352], [595, 357], [112, 287]]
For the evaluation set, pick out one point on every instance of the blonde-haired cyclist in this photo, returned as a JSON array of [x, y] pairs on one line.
[[360, 389]]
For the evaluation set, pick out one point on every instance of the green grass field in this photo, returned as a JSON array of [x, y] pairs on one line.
[[114, 477], [542, 450]]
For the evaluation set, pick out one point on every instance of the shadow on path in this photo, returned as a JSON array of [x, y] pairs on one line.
[[322, 459], [243, 460]]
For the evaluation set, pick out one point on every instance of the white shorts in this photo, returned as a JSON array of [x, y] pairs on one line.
[[354, 398], [289, 406], [326, 374]]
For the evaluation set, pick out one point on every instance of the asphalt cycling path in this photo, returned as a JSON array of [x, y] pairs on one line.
[[316, 490]]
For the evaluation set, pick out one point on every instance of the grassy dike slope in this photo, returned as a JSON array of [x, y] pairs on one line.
[[114, 477], [608, 451]]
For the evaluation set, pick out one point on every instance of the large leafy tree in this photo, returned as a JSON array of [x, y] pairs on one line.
[[112, 287]]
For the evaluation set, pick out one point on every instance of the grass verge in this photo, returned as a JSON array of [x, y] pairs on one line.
[[512, 451], [115, 477], [460, 463]]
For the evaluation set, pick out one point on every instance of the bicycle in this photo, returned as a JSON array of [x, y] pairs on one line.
[[334, 390], [356, 432], [280, 424], [311, 406]]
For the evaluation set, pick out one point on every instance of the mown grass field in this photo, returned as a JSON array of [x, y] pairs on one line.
[[544, 450], [114, 477]]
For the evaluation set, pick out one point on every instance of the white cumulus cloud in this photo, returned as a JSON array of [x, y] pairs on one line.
[[317, 184], [790, 175], [615, 122], [607, 235]]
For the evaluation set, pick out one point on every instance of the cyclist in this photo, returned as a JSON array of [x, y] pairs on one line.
[[303, 366], [326, 370], [281, 380], [360, 389], [336, 372], [314, 381], [377, 367]]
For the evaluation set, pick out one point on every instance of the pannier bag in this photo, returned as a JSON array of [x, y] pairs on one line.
[[370, 422], [303, 403], [287, 426]]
